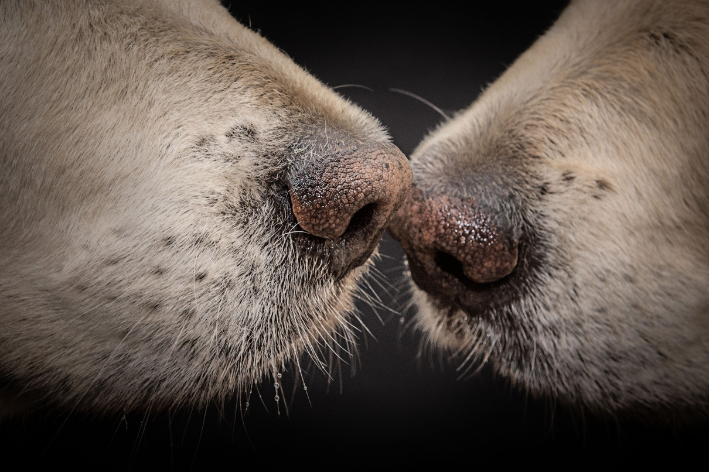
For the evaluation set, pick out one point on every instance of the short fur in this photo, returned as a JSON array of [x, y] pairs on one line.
[[595, 145], [146, 250]]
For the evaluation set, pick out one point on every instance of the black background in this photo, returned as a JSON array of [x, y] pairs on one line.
[[397, 405]]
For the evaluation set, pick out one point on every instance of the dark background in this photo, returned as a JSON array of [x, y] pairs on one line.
[[398, 404]]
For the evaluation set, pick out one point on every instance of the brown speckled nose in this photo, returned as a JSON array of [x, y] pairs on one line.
[[348, 196], [449, 238]]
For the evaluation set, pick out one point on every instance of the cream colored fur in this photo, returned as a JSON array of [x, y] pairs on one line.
[[606, 117], [144, 260]]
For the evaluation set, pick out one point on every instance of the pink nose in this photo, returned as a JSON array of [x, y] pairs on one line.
[[348, 197], [449, 234], [326, 195]]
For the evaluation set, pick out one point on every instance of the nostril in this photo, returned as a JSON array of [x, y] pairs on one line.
[[361, 219], [450, 265]]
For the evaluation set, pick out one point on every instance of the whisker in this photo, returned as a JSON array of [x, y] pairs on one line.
[[352, 85], [380, 279], [422, 100], [261, 398], [294, 232]]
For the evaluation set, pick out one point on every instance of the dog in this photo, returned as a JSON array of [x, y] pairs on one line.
[[557, 228], [184, 209]]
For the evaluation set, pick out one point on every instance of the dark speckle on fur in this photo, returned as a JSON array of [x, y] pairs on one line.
[[241, 132], [200, 239], [204, 142], [568, 176], [81, 288], [223, 284], [200, 275], [212, 200], [153, 305], [230, 210], [603, 185], [666, 39], [210, 148]]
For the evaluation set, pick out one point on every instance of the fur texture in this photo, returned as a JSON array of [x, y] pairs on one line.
[[148, 252], [592, 153]]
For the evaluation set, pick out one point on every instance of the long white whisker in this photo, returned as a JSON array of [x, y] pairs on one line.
[[422, 100], [352, 85]]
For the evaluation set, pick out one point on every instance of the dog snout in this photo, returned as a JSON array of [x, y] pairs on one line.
[[453, 243], [346, 196]]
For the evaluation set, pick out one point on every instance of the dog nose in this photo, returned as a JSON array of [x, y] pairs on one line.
[[347, 195], [447, 236], [336, 193]]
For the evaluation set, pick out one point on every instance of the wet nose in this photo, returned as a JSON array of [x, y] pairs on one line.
[[448, 236], [347, 197]]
